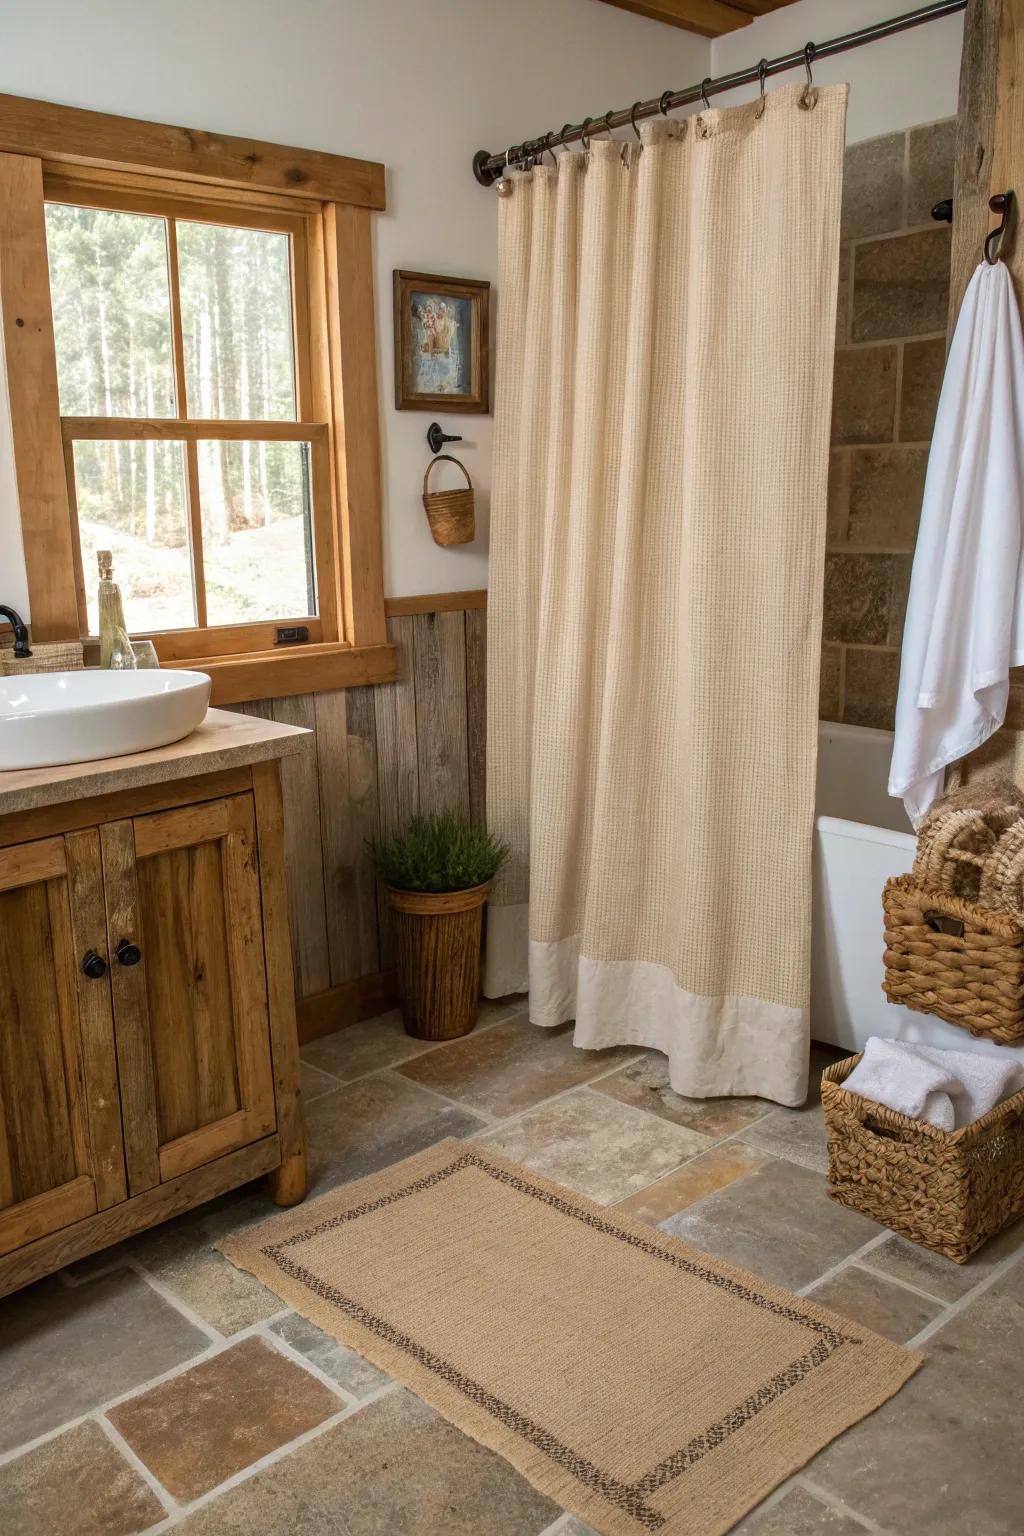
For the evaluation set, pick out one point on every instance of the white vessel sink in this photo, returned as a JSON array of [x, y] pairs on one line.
[[49, 718]]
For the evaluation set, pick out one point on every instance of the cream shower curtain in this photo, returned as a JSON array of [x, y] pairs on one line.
[[657, 541]]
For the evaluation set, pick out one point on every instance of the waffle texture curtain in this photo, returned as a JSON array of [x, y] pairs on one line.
[[657, 542]]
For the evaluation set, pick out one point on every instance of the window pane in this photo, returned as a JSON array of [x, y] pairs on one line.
[[111, 312], [236, 317], [131, 500], [257, 531]]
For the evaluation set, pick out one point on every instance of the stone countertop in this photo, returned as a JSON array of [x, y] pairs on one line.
[[224, 740]]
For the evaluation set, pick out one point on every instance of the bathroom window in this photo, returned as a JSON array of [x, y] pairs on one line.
[[190, 443], [189, 326]]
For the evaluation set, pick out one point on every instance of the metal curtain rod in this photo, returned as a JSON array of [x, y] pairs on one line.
[[487, 167]]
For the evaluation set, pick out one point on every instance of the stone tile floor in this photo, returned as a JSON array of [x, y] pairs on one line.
[[154, 1387]]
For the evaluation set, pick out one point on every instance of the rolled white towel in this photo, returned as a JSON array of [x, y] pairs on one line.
[[947, 1089]]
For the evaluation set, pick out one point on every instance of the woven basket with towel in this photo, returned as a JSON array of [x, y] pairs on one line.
[[954, 927], [947, 1190]]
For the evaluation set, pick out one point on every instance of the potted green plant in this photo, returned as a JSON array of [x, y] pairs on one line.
[[437, 876]]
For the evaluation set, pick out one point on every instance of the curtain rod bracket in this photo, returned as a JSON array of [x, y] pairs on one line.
[[485, 173]]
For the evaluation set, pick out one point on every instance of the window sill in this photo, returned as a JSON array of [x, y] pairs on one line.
[[293, 669]]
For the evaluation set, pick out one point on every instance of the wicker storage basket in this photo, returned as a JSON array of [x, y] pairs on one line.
[[450, 513], [955, 959], [947, 1190]]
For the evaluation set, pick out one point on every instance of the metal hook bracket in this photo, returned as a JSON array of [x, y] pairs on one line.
[[1001, 203], [437, 438]]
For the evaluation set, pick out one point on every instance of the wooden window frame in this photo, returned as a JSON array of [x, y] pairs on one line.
[[325, 204]]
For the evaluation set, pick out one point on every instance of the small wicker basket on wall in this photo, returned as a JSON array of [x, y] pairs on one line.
[[451, 514], [437, 955]]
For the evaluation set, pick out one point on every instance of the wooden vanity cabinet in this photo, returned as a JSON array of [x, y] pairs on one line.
[[148, 1056], [60, 1129]]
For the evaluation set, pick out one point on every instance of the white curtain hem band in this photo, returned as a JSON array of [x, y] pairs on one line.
[[716, 1046]]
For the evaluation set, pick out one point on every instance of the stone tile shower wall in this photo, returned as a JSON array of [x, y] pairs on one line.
[[890, 352]]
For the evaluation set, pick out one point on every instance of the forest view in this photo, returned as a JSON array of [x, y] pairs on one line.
[[109, 278]]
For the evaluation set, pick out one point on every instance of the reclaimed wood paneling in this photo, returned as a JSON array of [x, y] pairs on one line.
[[476, 713], [347, 764], [379, 755], [303, 841], [439, 672], [395, 715]]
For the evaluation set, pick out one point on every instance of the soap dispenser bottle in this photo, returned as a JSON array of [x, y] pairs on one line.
[[115, 648]]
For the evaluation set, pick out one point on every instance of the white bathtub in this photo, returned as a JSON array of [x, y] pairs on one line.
[[861, 837]]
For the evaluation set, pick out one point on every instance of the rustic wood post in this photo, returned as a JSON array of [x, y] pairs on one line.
[[990, 138], [989, 159]]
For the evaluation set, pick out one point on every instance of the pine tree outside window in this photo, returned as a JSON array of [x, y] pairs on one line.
[[182, 339]]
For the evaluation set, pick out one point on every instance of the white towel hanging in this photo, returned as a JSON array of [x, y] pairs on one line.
[[965, 614]]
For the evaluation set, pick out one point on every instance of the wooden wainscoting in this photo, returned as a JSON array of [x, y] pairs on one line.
[[379, 755]]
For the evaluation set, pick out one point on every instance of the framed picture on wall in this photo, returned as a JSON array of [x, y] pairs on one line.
[[442, 343]]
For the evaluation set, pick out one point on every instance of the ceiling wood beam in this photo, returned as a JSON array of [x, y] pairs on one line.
[[709, 18], [760, 7]]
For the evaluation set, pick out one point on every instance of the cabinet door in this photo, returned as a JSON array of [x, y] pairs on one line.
[[189, 983], [61, 1156]]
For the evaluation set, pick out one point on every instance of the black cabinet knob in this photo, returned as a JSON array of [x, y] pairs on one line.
[[128, 953], [93, 965]]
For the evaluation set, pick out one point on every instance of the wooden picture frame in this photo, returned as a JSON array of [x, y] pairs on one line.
[[455, 311]]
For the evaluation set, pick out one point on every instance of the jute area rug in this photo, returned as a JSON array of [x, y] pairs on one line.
[[641, 1384]]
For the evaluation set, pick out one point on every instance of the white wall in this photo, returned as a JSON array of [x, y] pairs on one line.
[[417, 84], [894, 84]]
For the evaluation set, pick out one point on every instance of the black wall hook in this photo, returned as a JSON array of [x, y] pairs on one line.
[[1001, 203], [437, 439]]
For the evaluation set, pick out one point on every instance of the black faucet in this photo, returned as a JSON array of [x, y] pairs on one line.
[[17, 624]]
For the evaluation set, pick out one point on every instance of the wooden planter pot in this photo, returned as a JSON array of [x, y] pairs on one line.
[[437, 955]]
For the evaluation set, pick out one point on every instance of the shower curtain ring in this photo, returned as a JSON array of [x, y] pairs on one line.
[[584, 135], [809, 96], [548, 148], [762, 70], [664, 101], [704, 92], [632, 117], [503, 186]]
